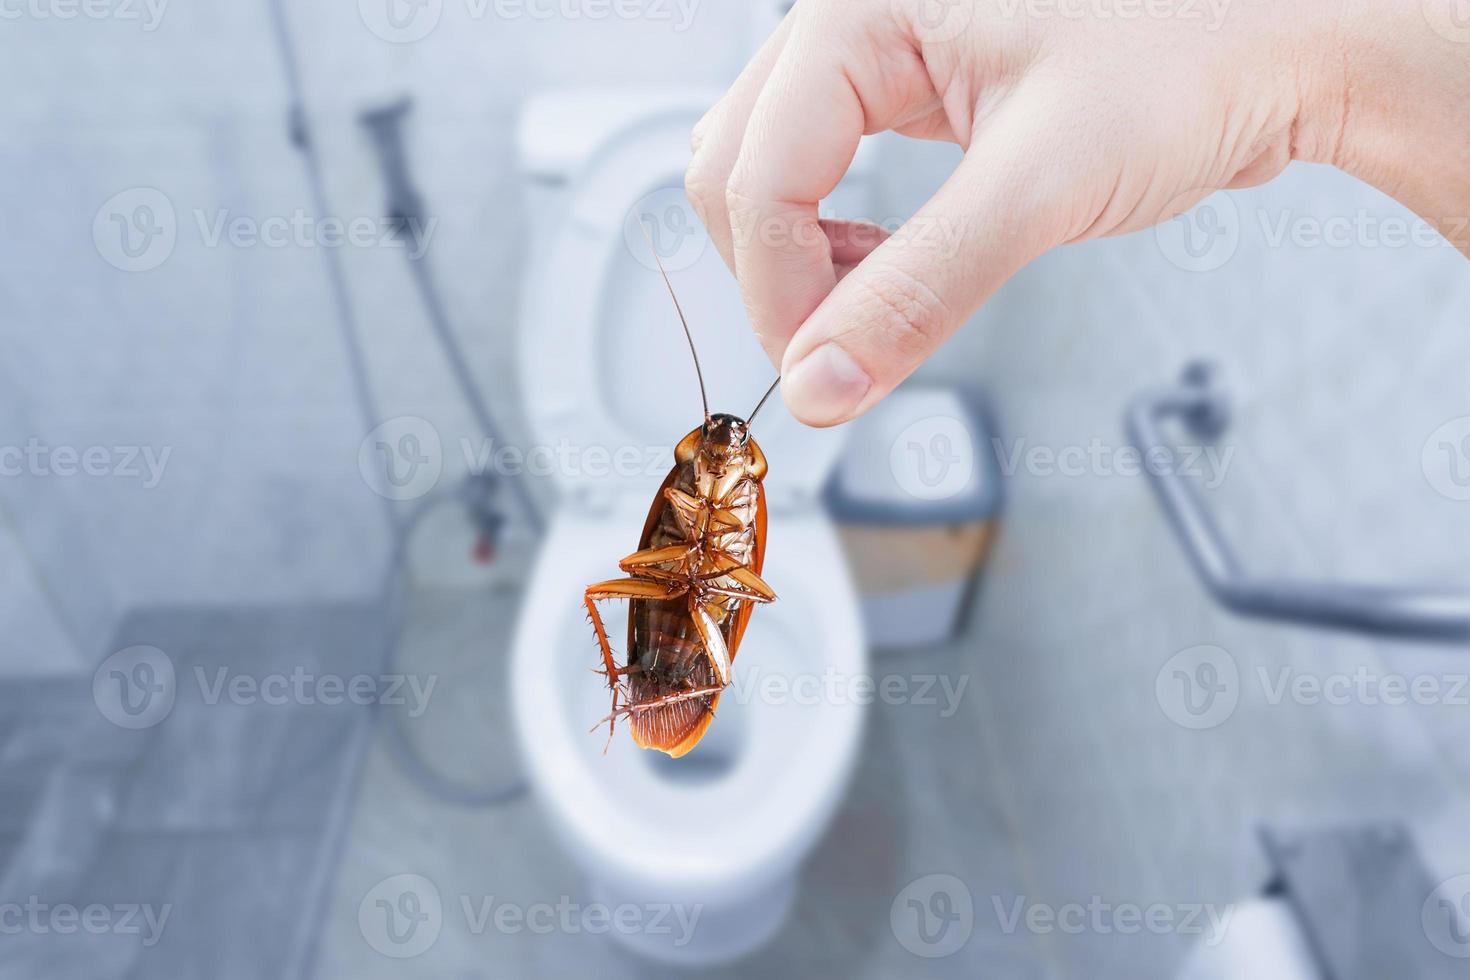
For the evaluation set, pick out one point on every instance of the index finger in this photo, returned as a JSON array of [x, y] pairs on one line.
[[801, 138]]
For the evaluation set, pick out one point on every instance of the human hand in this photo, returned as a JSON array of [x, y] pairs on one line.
[[1078, 119]]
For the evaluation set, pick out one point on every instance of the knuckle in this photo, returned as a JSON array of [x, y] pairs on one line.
[[700, 131], [741, 206], [738, 195], [701, 187], [907, 311]]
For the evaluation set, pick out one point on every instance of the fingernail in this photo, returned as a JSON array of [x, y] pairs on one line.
[[825, 387]]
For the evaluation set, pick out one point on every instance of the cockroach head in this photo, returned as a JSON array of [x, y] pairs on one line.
[[726, 434]]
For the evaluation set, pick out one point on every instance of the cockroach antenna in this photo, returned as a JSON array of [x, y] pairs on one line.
[[761, 404], [703, 397]]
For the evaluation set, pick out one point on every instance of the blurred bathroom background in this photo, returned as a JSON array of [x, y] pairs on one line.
[[188, 507]]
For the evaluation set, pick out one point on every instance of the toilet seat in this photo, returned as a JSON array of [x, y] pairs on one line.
[[673, 840], [646, 827]]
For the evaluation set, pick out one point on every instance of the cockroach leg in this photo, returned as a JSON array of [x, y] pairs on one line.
[[612, 719], [602, 644], [752, 585], [623, 588], [620, 671], [748, 585], [648, 560], [723, 520], [617, 672], [635, 588], [688, 508], [714, 640], [660, 702], [675, 698], [720, 590]]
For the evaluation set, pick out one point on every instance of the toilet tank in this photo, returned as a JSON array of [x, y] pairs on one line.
[[560, 132]]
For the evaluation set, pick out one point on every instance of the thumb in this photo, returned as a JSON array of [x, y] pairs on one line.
[[910, 293]]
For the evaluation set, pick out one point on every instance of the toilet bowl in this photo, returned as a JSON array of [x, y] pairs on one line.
[[716, 838]]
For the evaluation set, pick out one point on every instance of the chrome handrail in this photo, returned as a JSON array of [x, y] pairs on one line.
[[1196, 402]]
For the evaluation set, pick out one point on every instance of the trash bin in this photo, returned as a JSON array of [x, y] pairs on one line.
[[916, 496]]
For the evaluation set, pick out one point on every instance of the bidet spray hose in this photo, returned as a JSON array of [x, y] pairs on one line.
[[405, 206], [395, 577]]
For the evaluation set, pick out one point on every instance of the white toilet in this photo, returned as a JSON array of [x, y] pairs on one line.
[[721, 832]]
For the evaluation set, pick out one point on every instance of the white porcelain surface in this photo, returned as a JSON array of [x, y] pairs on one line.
[[740, 811]]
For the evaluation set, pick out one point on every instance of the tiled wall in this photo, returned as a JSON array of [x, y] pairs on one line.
[[231, 358], [1342, 360]]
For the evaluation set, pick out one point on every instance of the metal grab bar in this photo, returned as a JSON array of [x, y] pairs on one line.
[[1417, 613]]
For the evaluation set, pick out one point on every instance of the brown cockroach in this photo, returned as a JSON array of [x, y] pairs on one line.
[[693, 581]]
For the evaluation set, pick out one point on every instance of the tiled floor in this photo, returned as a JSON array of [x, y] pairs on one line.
[[1058, 781], [224, 817]]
